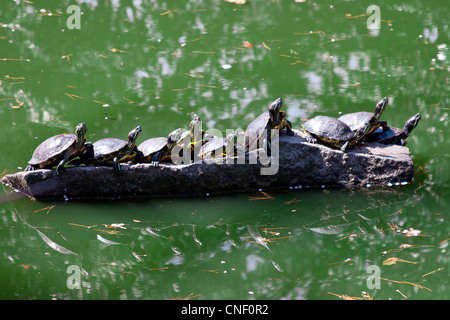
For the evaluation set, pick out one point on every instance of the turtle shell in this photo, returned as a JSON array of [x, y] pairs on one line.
[[49, 151], [213, 145], [255, 129], [386, 137], [104, 149], [329, 129], [151, 146], [356, 119]]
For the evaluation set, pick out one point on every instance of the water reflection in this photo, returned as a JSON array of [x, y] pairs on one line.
[[141, 251]]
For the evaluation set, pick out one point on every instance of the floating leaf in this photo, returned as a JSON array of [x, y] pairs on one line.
[[394, 260], [364, 296], [115, 225], [407, 282], [237, 1], [411, 232]]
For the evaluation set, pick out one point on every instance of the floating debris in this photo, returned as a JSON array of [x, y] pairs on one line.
[[46, 208], [114, 50], [411, 232], [168, 12], [364, 296], [266, 196], [312, 32], [237, 1], [407, 282], [431, 272], [394, 260]]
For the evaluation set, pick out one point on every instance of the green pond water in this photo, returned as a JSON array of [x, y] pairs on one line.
[[152, 63]]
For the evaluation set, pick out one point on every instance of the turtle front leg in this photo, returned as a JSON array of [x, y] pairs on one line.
[[309, 138], [138, 157], [156, 157], [289, 131], [60, 167], [345, 146], [30, 168], [116, 165], [383, 125]]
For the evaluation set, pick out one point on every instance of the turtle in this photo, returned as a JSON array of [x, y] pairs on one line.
[[333, 132], [223, 145], [193, 139], [356, 120], [272, 119], [395, 135], [158, 149], [113, 151], [57, 150]]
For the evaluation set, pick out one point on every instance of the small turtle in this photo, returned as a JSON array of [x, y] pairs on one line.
[[193, 139], [272, 119], [159, 149], [356, 120], [222, 146], [57, 150], [395, 135], [113, 151], [333, 132]]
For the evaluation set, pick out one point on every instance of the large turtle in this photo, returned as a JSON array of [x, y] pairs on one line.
[[221, 147], [109, 151], [356, 120], [333, 132], [272, 119], [159, 149], [57, 150], [395, 135]]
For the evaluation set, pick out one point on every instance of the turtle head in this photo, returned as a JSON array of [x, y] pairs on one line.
[[232, 147], [362, 132], [80, 131], [195, 124], [411, 123], [133, 135], [274, 110], [380, 107], [233, 136], [174, 137]]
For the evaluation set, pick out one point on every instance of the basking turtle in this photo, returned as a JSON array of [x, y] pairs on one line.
[[356, 120], [272, 119], [58, 149], [222, 146], [333, 132], [113, 151], [159, 149], [193, 139], [395, 135]]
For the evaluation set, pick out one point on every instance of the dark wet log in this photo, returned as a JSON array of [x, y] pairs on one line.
[[299, 164]]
